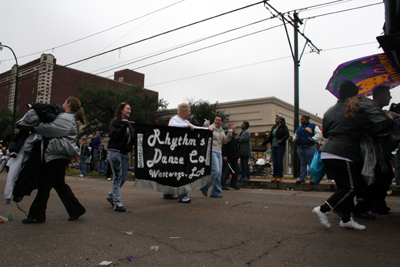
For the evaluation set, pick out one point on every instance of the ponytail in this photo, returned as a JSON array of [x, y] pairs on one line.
[[76, 108], [351, 106], [80, 115]]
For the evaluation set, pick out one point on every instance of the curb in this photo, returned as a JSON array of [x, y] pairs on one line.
[[291, 185]]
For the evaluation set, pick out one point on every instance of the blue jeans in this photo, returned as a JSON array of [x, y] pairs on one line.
[[277, 153], [83, 165], [216, 170], [244, 163], [305, 155], [102, 166], [119, 167]]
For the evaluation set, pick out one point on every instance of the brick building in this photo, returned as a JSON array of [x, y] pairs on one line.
[[42, 80]]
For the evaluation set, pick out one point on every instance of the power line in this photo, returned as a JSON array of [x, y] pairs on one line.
[[256, 63], [344, 10], [206, 47], [188, 26], [157, 35], [181, 46], [94, 34], [166, 32], [193, 42]]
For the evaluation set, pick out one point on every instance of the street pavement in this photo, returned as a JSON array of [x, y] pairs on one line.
[[247, 227]]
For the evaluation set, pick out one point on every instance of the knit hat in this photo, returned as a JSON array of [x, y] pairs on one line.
[[347, 89]]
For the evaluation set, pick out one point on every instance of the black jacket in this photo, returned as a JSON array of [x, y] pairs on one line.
[[102, 154], [121, 137], [230, 150], [343, 134], [282, 133]]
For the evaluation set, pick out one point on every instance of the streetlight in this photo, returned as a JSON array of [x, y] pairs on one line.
[[16, 86]]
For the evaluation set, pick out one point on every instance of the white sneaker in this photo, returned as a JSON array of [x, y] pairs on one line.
[[322, 217], [109, 179], [184, 200], [352, 225], [81, 175]]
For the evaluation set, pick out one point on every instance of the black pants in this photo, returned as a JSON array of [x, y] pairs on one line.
[[373, 197], [53, 175], [226, 170], [347, 177]]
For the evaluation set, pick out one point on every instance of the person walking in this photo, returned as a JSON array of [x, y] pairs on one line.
[[119, 145], [244, 141], [181, 120], [61, 148], [219, 139], [343, 125], [277, 137], [306, 137]]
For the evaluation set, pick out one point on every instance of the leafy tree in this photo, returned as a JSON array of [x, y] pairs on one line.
[[5, 122], [100, 101], [203, 109]]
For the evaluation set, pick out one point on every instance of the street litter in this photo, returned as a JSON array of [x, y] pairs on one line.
[[105, 263], [175, 237], [2, 219], [128, 258], [129, 233], [155, 248], [226, 203]]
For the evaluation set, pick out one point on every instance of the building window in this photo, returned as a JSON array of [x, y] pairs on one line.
[[33, 90], [121, 79]]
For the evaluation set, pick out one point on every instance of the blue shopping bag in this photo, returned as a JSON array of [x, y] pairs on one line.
[[317, 168]]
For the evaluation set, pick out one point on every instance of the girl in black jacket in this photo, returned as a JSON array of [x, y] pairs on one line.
[[119, 145], [278, 136], [343, 126]]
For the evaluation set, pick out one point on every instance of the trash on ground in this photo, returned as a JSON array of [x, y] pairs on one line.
[[105, 263], [155, 248], [129, 233], [128, 258], [175, 237], [226, 203], [2, 219]]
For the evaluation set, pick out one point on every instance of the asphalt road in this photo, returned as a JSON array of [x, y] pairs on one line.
[[249, 227]]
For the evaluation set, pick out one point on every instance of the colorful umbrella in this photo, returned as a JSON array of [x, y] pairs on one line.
[[366, 73]]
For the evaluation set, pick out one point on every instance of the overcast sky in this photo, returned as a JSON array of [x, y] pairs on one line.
[[259, 65]]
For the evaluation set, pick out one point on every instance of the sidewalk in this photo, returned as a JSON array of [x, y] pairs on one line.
[[290, 184]]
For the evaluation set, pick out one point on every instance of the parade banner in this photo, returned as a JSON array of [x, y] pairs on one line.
[[366, 73], [171, 160]]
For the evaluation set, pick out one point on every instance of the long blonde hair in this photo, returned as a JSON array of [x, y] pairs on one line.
[[351, 106]]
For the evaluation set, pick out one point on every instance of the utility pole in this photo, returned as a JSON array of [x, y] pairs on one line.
[[296, 60], [296, 91], [15, 88]]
